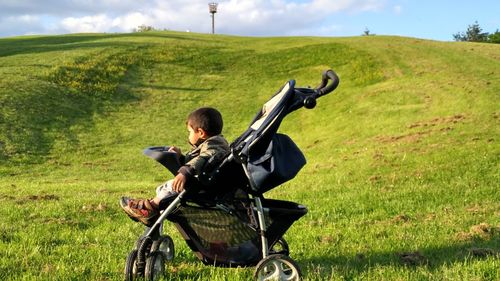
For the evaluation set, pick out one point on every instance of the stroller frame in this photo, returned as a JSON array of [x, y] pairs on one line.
[[152, 250]]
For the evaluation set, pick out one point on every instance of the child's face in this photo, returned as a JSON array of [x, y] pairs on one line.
[[195, 136]]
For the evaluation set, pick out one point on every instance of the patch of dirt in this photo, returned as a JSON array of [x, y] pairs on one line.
[[482, 252], [428, 128], [63, 221], [327, 239], [329, 166], [463, 236], [474, 209], [412, 137], [378, 156], [412, 258], [48, 268], [427, 99], [482, 231], [418, 174], [7, 197], [439, 121], [401, 218], [315, 143], [430, 217], [375, 178], [95, 208], [45, 197], [360, 256], [108, 191], [349, 142], [58, 163]]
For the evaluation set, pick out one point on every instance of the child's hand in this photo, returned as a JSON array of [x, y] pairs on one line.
[[176, 150], [178, 183]]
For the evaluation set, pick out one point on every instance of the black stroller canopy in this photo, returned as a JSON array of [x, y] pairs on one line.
[[270, 158], [266, 122]]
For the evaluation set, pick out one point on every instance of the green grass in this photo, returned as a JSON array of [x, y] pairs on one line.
[[403, 168]]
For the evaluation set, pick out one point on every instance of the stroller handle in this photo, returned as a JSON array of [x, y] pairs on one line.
[[325, 88]]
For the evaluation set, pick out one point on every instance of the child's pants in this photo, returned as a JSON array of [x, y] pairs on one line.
[[165, 190]]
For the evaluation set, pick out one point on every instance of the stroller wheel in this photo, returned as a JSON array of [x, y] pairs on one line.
[[277, 267], [155, 266], [131, 271], [139, 242], [280, 247], [165, 245]]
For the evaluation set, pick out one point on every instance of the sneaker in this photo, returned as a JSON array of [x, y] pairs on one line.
[[139, 210]]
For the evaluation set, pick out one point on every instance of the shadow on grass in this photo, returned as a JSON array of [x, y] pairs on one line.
[[30, 123], [40, 44], [34, 115], [172, 88], [36, 120], [430, 258]]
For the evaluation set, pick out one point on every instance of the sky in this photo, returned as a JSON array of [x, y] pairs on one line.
[[426, 19]]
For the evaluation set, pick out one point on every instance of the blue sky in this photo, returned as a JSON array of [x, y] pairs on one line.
[[436, 20]]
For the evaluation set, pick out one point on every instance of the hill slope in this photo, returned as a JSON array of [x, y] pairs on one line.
[[403, 158]]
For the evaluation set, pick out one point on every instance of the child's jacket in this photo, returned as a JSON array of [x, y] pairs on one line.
[[214, 149]]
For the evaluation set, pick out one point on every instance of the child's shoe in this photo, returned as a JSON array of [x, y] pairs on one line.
[[140, 210]]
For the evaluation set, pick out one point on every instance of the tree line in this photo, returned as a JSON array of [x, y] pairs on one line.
[[474, 33]]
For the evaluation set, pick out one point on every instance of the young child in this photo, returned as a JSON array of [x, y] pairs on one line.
[[204, 126]]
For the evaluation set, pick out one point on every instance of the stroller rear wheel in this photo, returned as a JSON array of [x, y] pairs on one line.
[[277, 267], [131, 271], [165, 245], [155, 266]]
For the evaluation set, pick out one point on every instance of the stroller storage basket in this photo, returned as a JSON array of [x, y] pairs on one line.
[[227, 236]]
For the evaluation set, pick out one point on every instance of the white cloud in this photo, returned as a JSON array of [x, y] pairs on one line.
[[130, 21], [15, 25], [97, 23], [397, 9], [241, 17], [28, 19]]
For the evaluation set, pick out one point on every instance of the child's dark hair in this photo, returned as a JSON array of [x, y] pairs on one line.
[[207, 118]]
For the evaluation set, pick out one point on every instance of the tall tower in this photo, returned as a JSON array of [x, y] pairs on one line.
[[212, 8]]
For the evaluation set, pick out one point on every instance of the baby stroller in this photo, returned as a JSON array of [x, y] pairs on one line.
[[224, 217]]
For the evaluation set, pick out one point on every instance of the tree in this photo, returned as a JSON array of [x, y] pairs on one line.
[[474, 33], [144, 28], [367, 32], [494, 37]]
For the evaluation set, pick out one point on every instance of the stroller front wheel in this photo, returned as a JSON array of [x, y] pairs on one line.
[[131, 271], [277, 267], [165, 245], [155, 266]]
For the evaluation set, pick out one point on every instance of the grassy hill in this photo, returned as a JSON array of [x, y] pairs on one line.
[[402, 177]]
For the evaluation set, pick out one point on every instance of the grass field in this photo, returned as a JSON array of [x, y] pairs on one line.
[[402, 180]]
